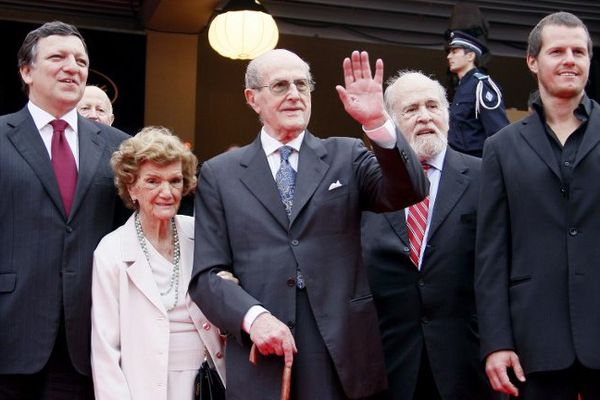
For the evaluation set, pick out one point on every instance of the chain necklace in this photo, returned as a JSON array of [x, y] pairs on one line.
[[174, 280]]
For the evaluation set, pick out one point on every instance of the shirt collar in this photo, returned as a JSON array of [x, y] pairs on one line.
[[437, 162], [42, 118], [271, 145], [468, 74], [582, 111]]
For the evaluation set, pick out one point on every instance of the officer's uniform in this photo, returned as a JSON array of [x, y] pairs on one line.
[[477, 110]]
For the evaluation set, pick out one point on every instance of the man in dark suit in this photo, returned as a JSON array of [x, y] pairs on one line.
[[283, 214], [422, 284], [537, 274], [59, 200]]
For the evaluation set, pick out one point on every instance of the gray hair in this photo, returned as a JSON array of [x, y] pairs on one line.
[[28, 51], [393, 85]]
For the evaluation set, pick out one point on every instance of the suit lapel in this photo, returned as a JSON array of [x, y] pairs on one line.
[[311, 170], [258, 179], [28, 142], [534, 133], [397, 220], [139, 271], [90, 152], [592, 135], [453, 183], [186, 243]]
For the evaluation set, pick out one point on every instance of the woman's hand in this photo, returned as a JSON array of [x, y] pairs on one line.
[[228, 276]]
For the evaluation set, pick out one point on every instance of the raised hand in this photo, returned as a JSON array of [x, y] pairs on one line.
[[362, 93]]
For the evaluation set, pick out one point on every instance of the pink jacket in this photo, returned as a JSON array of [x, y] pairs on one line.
[[130, 328]]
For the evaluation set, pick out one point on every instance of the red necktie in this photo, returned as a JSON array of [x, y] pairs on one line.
[[416, 222], [63, 164]]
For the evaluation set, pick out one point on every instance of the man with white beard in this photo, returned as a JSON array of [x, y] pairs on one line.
[[420, 260]]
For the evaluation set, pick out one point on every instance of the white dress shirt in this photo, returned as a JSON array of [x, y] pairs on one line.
[[42, 121], [271, 147]]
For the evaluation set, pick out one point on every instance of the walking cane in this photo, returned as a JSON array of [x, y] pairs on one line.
[[286, 379]]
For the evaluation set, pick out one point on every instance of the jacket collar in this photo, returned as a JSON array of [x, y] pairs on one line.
[[130, 246], [138, 269]]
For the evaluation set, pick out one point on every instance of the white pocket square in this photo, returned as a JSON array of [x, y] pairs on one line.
[[335, 185]]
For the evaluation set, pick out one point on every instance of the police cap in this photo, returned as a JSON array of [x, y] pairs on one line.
[[466, 41]]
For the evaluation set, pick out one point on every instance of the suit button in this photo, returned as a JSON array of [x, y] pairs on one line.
[[291, 324], [563, 191], [425, 319], [295, 242], [567, 163], [206, 326], [69, 229], [406, 249], [291, 282], [573, 231], [219, 355], [421, 282]]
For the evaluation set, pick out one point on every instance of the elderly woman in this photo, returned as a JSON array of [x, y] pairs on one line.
[[148, 337]]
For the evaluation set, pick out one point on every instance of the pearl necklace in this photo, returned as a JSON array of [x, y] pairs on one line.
[[174, 280]]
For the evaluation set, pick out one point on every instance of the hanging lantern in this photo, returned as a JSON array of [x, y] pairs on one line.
[[243, 31]]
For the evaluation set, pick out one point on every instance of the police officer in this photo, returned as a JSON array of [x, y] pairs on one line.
[[477, 110]]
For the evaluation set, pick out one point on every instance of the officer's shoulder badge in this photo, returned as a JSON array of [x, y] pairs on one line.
[[487, 94]]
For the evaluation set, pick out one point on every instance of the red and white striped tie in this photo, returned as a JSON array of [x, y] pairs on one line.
[[416, 223]]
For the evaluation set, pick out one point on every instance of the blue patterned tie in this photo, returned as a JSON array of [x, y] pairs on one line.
[[286, 179], [286, 183]]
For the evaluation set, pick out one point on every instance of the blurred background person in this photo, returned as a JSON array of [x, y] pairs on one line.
[[96, 105], [148, 337], [420, 260], [477, 110]]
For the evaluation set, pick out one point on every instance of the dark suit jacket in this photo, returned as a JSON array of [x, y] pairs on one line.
[[538, 278], [45, 257], [434, 307], [241, 226]]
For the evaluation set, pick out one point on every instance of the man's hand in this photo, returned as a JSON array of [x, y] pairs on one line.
[[496, 366], [362, 95], [272, 336]]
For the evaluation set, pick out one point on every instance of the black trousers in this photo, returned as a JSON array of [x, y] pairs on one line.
[[58, 380], [314, 376], [565, 384], [426, 389]]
